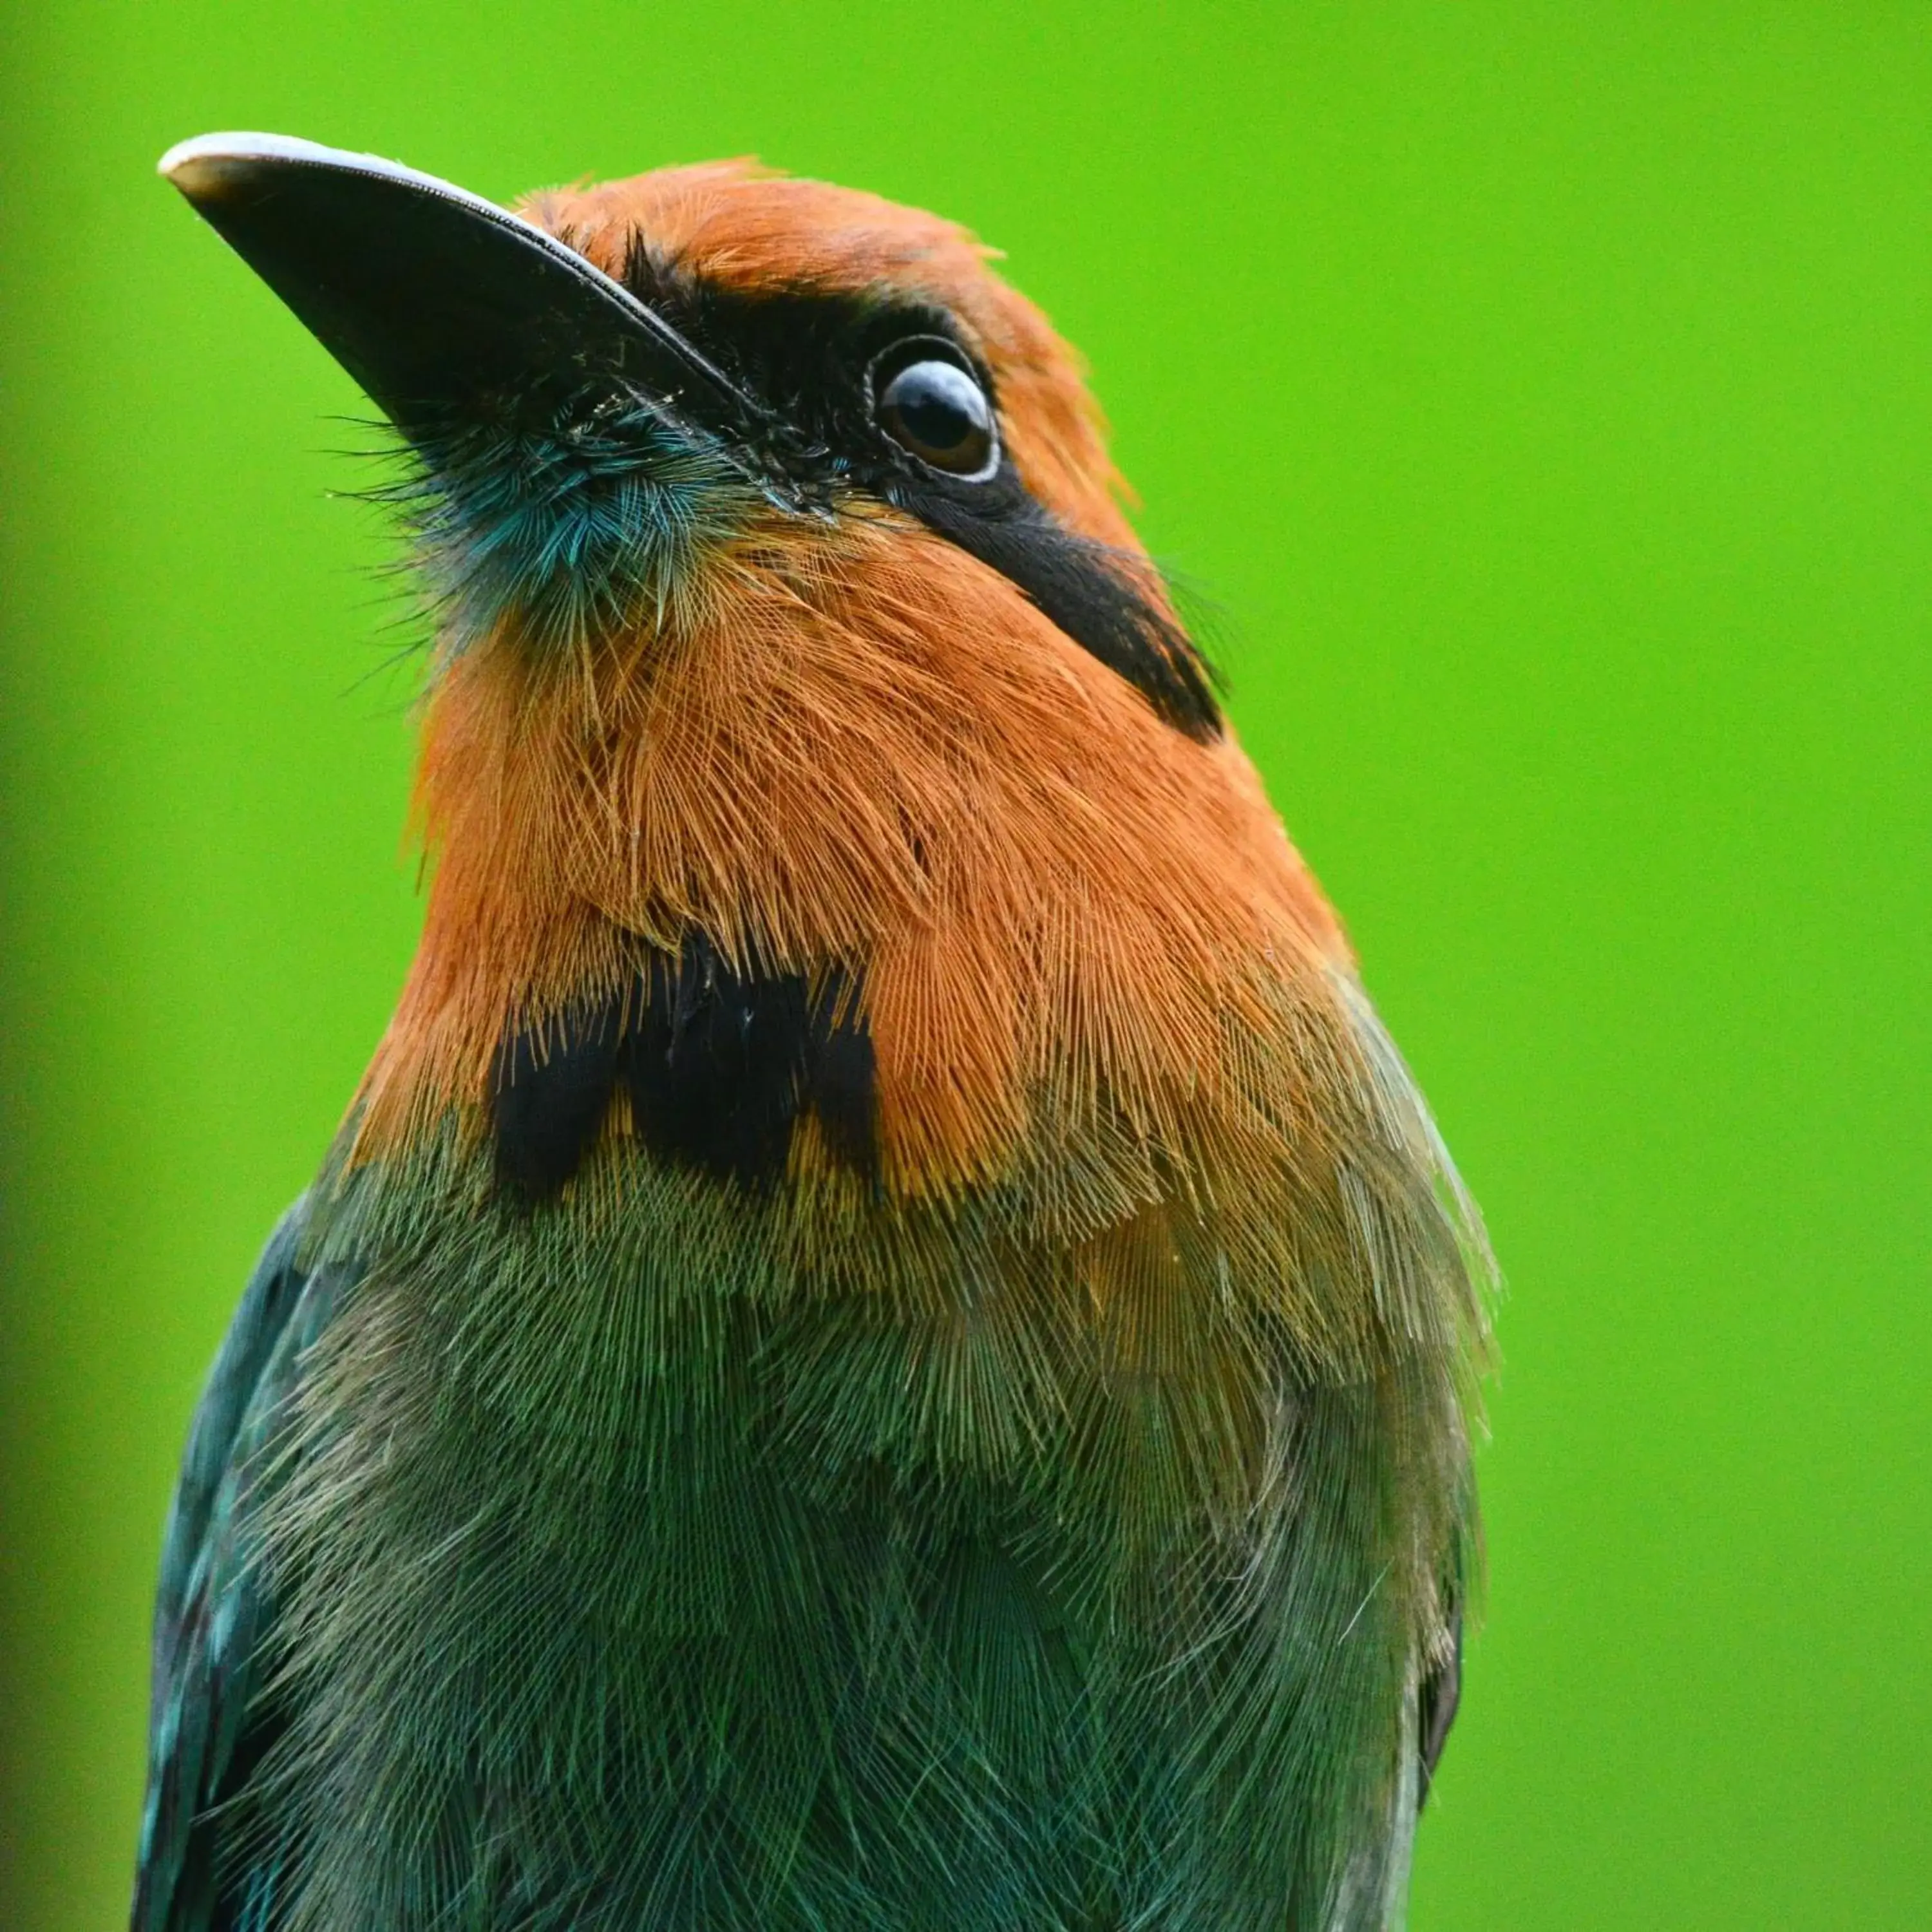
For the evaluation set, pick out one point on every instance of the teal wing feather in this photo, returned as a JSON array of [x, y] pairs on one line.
[[209, 1727], [1441, 1691]]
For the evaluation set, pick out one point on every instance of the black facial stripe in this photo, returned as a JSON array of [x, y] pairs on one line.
[[806, 356], [718, 1065], [1088, 594]]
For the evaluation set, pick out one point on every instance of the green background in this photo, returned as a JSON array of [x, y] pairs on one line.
[[1540, 395]]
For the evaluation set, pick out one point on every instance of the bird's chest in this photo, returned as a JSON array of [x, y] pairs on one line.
[[542, 1497], [650, 1419], [668, 1554]]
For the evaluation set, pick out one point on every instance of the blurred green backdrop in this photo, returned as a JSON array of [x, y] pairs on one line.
[[1541, 394]]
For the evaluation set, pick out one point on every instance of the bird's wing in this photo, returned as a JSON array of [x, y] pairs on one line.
[[207, 1725], [1441, 1690]]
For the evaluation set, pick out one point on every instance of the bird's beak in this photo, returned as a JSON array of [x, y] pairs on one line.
[[440, 304]]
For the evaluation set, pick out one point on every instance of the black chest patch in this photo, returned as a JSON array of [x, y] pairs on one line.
[[718, 1065]]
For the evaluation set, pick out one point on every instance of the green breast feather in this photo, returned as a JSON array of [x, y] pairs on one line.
[[681, 1551]]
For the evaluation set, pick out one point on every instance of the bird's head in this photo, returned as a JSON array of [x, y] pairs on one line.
[[606, 394], [788, 613]]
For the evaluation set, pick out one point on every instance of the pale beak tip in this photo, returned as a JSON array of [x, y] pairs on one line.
[[206, 166]]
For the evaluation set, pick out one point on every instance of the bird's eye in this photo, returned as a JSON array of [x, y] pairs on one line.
[[927, 404]]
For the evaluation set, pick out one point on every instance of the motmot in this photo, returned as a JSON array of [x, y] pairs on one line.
[[887, 1342]]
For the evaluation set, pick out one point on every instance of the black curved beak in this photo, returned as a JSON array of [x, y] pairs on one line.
[[438, 303]]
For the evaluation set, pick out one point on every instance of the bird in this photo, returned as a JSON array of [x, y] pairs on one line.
[[887, 1341]]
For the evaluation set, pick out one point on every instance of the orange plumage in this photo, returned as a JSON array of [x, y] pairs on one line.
[[858, 742], [887, 1341]]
